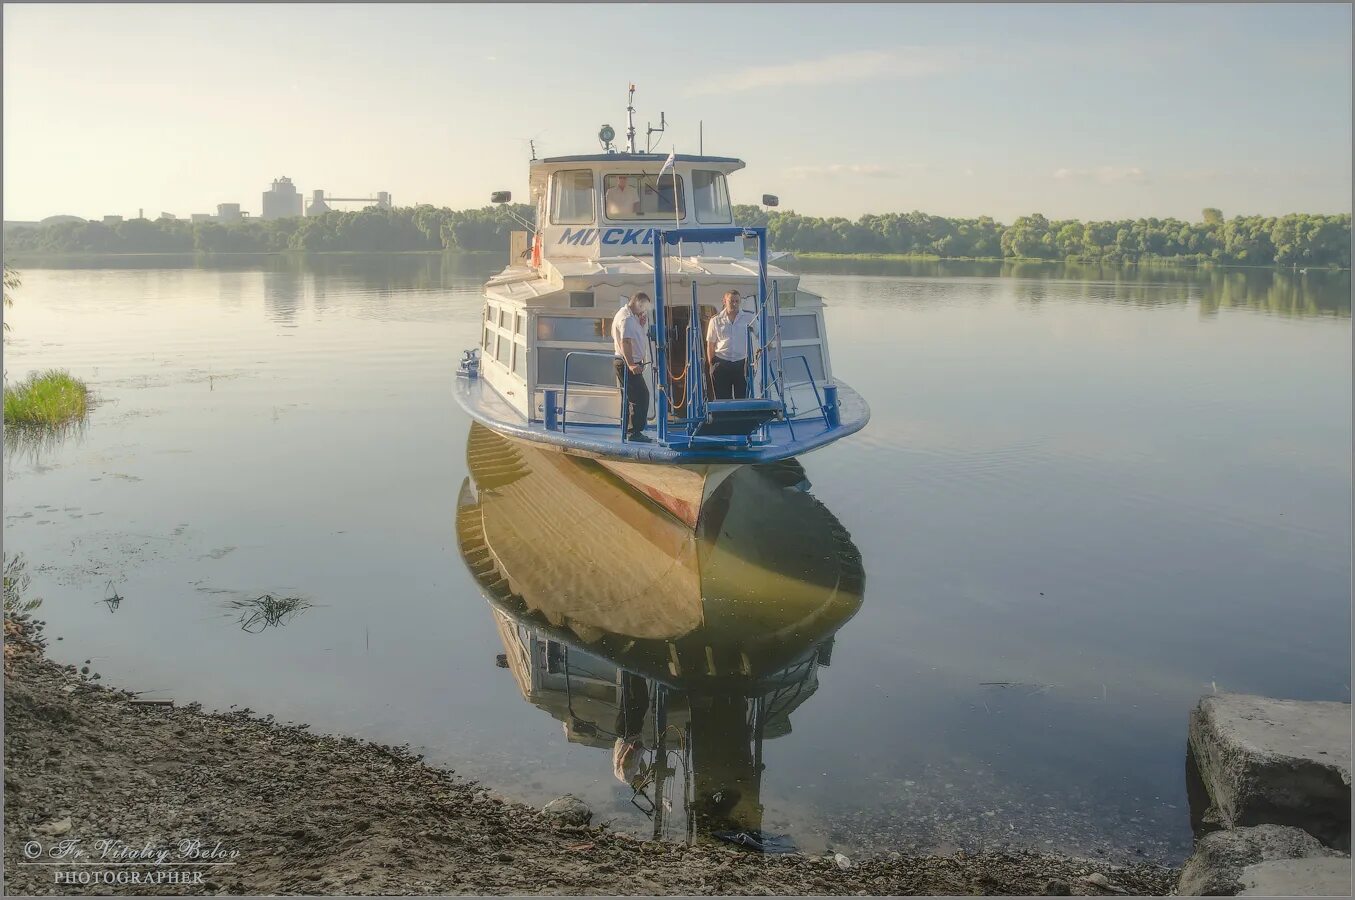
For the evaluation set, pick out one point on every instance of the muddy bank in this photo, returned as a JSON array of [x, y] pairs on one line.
[[278, 810]]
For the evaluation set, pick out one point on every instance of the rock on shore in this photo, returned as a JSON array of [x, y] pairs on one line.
[[309, 814], [1216, 867], [1282, 762]]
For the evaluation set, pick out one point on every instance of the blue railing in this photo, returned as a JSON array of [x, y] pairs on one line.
[[564, 400], [809, 373]]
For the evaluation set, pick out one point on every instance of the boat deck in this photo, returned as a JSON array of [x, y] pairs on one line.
[[603, 441]]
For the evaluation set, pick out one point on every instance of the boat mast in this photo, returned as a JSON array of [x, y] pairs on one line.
[[630, 120]]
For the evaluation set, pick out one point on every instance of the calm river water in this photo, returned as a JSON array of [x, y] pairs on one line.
[[1085, 498]]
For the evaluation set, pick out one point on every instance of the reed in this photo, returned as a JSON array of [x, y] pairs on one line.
[[46, 401]]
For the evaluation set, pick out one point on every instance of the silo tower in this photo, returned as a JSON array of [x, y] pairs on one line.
[[317, 206], [282, 200]]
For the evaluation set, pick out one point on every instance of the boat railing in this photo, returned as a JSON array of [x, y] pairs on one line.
[[818, 397], [563, 415]]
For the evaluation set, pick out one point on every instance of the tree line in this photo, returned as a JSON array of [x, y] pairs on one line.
[[373, 229], [1297, 239]]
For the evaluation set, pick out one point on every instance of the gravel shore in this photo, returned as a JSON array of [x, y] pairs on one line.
[[279, 810]]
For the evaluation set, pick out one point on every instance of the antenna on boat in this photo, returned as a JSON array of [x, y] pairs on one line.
[[650, 131], [532, 144], [630, 120]]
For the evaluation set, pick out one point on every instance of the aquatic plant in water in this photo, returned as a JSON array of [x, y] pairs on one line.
[[46, 401], [267, 611]]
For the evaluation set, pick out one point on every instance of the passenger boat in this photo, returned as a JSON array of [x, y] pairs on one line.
[[542, 373]]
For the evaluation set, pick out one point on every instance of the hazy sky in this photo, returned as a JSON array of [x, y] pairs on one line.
[[1073, 111]]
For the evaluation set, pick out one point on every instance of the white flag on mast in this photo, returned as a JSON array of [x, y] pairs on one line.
[[668, 163]]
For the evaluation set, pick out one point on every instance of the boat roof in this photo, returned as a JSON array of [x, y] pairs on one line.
[[639, 157]]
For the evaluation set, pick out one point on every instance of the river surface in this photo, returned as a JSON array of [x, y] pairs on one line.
[[1086, 497]]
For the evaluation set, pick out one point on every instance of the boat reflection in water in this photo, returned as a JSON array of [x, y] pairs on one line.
[[680, 652]]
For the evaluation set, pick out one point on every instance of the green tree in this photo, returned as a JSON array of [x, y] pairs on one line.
[[12, 282]]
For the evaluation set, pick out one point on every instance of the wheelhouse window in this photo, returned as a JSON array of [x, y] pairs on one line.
[[571, 197], [710, 196], [643, 197]]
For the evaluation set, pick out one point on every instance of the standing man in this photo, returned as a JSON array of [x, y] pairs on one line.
[[631, 346], [727, 349]]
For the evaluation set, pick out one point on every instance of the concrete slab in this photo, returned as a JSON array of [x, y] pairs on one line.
[[1215, 868], [1283, 762], [1329, 877]]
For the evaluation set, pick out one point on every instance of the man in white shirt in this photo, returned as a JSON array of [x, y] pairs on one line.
[[727, 349], [622, 200], [630, 342]]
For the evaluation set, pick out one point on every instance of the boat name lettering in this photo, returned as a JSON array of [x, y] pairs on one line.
[[609, 236]]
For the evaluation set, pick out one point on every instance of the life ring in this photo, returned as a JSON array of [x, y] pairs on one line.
[[536, 251]]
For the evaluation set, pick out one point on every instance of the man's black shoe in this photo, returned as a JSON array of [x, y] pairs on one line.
[[641, 438]]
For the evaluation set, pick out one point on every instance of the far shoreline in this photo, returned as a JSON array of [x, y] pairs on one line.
[[22, 258]]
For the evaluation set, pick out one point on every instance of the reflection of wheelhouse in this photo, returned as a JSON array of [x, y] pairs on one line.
[[594, 215], [584, 690]]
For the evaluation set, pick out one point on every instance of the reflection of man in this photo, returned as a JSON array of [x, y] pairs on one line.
[[631, 346], [628, 753], [727, 349], [622, 201]]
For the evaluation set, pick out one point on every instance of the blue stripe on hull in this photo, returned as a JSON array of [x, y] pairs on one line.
[[484, 405]]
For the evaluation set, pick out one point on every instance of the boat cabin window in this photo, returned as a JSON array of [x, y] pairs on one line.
[[643, 196], [800, 328], [572, 328], [795, 369], [710, 195], [594, 370], [571, 197]]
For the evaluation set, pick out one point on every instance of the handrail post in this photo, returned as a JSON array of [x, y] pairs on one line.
[[625, 399], [748, 359], [660, 339], [762, 308], [564, 402], [696, 390], [776, 328]]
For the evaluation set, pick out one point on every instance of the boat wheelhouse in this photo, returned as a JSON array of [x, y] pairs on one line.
[[609, 225]]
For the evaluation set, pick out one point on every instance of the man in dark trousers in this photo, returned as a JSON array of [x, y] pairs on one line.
[[727, 349], [631, 345]]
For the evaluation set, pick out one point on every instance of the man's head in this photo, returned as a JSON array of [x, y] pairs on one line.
[[621, 182], [732, 301], [641, 303]]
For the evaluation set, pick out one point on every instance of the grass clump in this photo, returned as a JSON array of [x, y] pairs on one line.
[[46, 400], [268, 611]]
